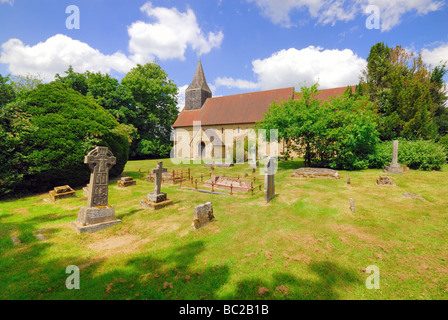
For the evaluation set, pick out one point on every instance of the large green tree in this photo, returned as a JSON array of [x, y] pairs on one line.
[[340, 133], [408, 94], [46, 134], [7, 92], [145, 99], [155, 99]]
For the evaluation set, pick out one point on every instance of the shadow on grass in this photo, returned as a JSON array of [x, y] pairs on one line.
[[286, 286], [145, 276]]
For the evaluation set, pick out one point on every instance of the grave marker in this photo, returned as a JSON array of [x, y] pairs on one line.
[[98, 214], [157, 199], [269, 179]]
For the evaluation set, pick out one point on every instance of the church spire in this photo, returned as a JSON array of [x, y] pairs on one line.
[[198, 91]]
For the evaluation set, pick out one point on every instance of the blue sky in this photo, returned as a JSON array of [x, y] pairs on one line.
[[244, 45]]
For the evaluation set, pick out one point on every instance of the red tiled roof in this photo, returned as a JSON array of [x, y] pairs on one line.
[[242, 108]]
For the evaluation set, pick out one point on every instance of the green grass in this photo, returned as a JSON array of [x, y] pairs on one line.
[[306, 240]]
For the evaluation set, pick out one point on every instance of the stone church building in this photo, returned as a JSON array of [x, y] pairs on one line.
[[207, 127]]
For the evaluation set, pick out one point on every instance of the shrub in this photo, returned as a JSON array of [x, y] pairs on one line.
[[444, 143], [418, 155], [47, 135]]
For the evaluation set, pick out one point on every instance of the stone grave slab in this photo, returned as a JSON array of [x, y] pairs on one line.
[[62, 192], [321, 173], [125, 182]]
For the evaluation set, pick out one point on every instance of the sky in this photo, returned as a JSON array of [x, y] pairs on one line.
[[243, 45]]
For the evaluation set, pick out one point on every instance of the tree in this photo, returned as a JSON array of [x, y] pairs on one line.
[[155, 99], [46, 135], [7, 93], [339, 134], [406, 92]]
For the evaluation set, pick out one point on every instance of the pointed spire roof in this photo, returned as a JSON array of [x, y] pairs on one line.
[[199, 81]]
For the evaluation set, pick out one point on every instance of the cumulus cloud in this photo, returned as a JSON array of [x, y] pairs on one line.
[[181, 97], [331, 11], [170, 36], [436, 56], [56, 54], [235, 83], [293, 67]]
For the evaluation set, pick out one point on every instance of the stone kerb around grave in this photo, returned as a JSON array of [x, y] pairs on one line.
[[98, 214]]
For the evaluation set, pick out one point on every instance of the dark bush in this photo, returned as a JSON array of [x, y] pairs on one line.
[[47, 135]]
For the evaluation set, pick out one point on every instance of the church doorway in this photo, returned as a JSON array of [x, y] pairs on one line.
[[201, 150]]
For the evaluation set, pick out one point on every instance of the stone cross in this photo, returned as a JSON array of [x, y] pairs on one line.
[[395, 152], [99, 160], [158, 172]]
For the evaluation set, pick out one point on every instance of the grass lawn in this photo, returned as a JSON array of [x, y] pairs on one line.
[[304, 244]]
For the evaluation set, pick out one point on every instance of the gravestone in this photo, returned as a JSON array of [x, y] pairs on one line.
[[85, 191], [385, 181], [352, 205], [413, 196], [125, 182], [269, 179], [394, 167], [98, 214], [61, 193], [157, 199], [227, 183], [315, 173], [203, 215]]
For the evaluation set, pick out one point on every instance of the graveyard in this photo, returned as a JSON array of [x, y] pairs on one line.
[[313, 240]]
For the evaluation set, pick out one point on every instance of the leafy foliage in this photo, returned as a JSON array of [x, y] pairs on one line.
[[7, 93], [418, 155], [145, 99], [408, 95], [47, 134], [339, 134], [155, 98]]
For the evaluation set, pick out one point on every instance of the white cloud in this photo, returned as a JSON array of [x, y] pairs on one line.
[[238, 83], [293, 67], [436, 56], [170, 36], [11, 2], [331, 11], [56, 54], [181, 97]]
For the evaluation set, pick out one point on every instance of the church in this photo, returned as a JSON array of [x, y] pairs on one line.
[[207, 127]]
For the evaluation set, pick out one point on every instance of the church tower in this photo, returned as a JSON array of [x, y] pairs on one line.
[[198, 91]]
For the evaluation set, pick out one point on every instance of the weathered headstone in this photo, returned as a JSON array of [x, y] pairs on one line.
[[85, 191], [352, 205], [98, 214], [157, 199], [349, 181], [269, 179], [61, 193], [203, 215], [394, 167], [125, 182]]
